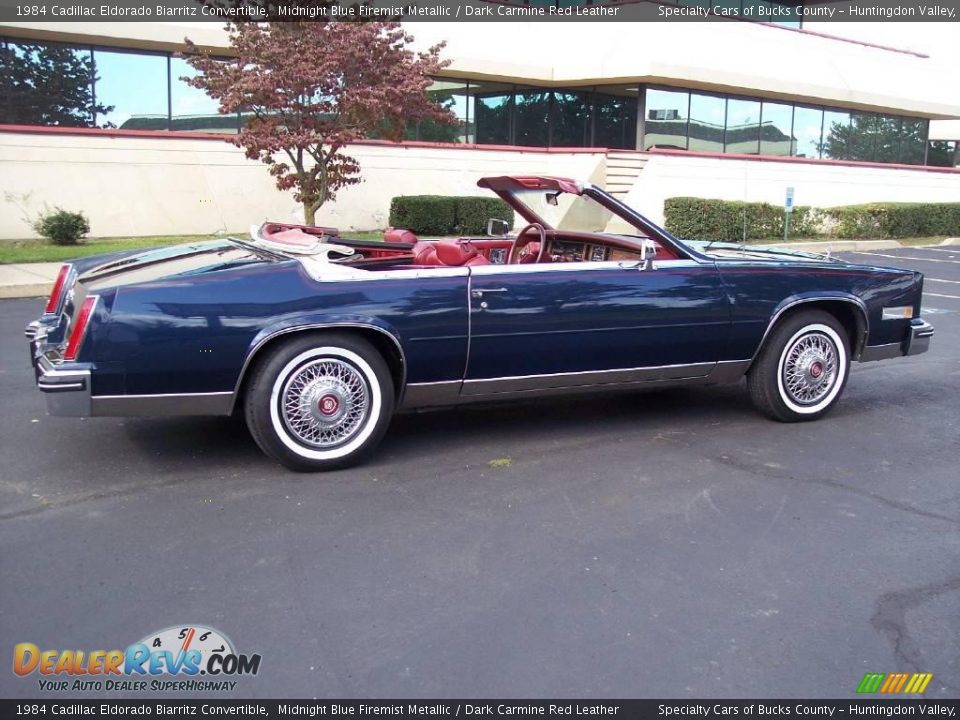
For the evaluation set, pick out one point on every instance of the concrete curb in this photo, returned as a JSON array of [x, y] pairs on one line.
[[836, 245], [952, 242]]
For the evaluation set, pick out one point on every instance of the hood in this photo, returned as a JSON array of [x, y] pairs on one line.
[[734, 251]]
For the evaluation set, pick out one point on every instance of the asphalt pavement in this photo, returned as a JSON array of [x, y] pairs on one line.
[[668, 544]]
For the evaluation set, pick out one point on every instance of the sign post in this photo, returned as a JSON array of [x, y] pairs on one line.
[[788, 211]]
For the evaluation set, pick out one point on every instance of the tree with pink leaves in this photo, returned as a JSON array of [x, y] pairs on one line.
[[306, 90]]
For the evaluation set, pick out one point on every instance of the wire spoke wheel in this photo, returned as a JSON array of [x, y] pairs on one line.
[[810, 368], [324, 402]]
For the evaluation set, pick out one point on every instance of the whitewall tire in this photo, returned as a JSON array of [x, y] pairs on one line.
[[320, 401], [802, 369]]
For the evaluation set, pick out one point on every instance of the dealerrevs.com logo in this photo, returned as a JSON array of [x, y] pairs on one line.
[[180, 659]]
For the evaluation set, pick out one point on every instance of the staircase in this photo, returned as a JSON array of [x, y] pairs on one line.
[[623, 169]]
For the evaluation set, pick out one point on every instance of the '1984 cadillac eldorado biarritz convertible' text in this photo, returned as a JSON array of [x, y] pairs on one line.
[[318, 339]]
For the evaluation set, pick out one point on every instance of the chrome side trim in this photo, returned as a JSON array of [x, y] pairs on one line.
[[218, 403], [589, 378], [434, 394], [581, 266], [321, 326], [881, 352], [728, 371], [856, 302]]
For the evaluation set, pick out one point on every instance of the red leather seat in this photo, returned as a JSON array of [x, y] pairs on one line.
[[447, 253]]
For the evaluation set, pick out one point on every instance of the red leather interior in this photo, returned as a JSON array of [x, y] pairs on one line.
[[447, 253], [399, 235]]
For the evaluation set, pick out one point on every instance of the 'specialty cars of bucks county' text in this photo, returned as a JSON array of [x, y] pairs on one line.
[[317, 340]]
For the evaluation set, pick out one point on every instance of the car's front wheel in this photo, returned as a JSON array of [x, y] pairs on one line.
[[320, 401], [802, 369]]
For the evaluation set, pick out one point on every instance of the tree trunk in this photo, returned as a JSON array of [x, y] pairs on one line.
[[309, 214]]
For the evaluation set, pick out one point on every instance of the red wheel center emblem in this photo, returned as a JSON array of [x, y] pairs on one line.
[[329, 404], [816, 370]]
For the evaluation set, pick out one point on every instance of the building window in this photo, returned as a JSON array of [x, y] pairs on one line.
[[836, 135], [47, 84], [913, 141], [776, 130], [943, 153], [493, 103], [615, 117], [135, 88], [742, 133], [807, 130], [191, 109], [531, 118], [667, 113], [570, 119], [707, 118], [454, 95]]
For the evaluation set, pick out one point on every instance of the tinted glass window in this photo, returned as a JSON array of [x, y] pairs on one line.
[[836, 135], [776, 130], [913, 141], [942, 153], [493, 103], [665, 125], [615, 118], [707, 116], [807, 126], [743, 127], [454, 96], [46, 84], [571, 119], [531, 115], [135, 87], [192, 110]]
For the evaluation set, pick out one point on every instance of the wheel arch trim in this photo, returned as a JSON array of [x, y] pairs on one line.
[[791, 303], [269, 334]]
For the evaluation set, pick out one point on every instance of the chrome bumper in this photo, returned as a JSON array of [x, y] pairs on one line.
[[67, 390], [916, 341], [920, 333]]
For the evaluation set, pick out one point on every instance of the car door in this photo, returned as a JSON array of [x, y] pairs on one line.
[[554, 325]]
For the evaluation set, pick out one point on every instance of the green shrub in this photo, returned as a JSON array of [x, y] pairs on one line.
[[61, 227], [894, 220], [442, 215], [733, 221]]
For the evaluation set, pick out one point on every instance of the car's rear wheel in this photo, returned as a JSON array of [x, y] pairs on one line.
[[320, 401], [802, 369]]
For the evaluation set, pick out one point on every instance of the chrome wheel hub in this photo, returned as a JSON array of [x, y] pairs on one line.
[[324, 402], [810, 368]]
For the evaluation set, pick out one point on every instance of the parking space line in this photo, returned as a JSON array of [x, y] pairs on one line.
[[954, 251], [930, 279], [907, 257], [955, 297]]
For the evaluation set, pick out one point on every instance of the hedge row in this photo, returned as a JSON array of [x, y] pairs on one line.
[[709, 219], [733, 221], [441, 215]]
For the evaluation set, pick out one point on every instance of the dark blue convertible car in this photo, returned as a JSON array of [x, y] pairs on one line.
[[319, 339]]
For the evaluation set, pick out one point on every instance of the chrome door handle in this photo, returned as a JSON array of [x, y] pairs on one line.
[[480, 293]]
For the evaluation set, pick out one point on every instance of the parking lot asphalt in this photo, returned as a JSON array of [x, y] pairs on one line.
[[667, 544]]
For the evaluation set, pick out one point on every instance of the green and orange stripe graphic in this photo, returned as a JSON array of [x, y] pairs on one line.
[[894, 683]]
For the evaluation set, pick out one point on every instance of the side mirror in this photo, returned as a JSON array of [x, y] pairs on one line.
[[497, 227], [648, 251]]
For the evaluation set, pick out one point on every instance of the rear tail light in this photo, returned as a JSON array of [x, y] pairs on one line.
[[79, 329], [59, 290]]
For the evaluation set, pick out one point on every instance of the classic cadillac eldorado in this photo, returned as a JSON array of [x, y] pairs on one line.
[[317, 339]]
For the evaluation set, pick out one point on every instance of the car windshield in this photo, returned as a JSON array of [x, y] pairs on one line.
[[565, 211]]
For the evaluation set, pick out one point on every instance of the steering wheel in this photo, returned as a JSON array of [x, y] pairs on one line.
[[513, 257]]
